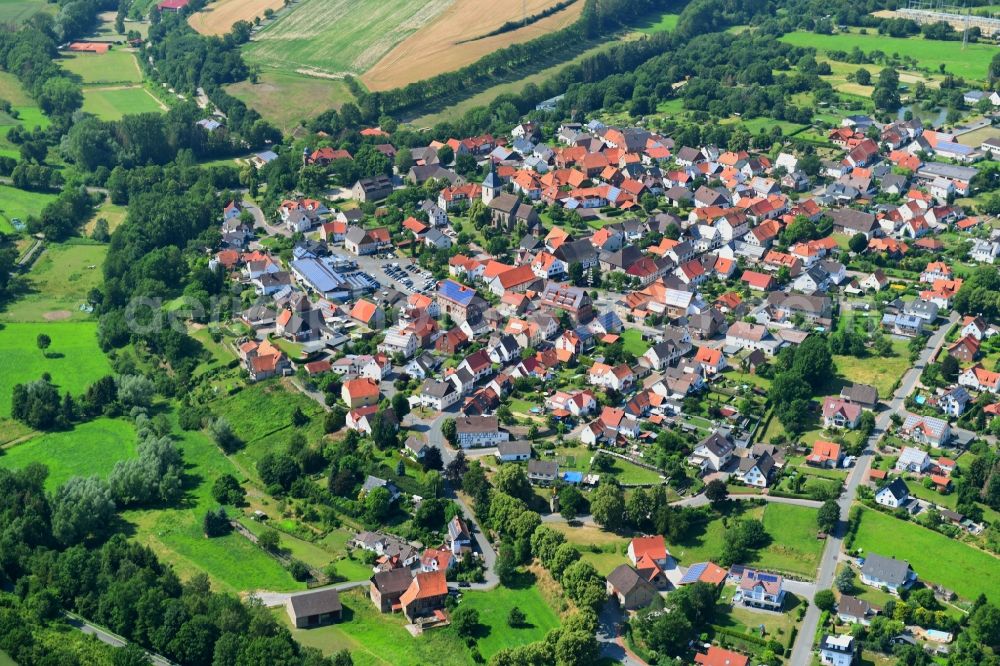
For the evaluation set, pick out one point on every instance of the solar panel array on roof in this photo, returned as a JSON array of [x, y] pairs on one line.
[[693, 573], [457, 292], [767, 578]]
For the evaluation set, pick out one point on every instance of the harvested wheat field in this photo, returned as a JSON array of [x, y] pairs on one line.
[[218, 17], [436, 49]]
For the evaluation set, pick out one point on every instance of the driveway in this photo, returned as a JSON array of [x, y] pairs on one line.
[[612, 645], [273, 599]]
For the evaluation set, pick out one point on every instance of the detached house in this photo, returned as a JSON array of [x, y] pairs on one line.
[[713, 453], [838, 413], [630, 589], [893, 494], [925, 430], [883, 572], [762, 590], [479, 431]]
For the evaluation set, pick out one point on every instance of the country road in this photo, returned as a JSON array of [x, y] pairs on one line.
[[802, 650], [105, 636]]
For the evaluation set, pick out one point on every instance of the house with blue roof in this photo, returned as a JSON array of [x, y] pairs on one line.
[[458, 301]]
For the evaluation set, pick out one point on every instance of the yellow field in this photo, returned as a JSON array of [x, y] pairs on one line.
[[218, 17], [433, 49]]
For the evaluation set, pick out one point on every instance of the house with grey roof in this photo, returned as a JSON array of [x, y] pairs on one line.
[[886, 572], [542, 472], [631, 590]]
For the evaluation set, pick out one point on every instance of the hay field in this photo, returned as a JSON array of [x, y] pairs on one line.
[[434, 49], [338, 37], [218, 17], [285, 98]]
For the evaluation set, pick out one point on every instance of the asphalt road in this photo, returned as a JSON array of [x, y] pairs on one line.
[[109, 638], [802, 650]]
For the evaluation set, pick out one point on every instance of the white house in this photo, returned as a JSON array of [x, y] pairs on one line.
[[713, 453], [893, 494], [479, 431], [912, 460], [837, 650]]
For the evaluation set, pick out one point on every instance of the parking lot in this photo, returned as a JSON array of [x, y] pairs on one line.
[[400, 273]]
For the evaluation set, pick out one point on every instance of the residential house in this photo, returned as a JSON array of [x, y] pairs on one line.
[[954, 401], [717, 656], [925, 430], [542, 472], [860, 394], [755, 470], [855, 610], [425, 595], [386, 587], [629, 589], [838, 413], [978, 378], [459, 540], [372, 189], [762, 590], [912, 460], [361, 241], [713, 453], [837, 650], [893, 494], [513, 451], [479, 431], [437, 394], [825, 454], [888, 573]]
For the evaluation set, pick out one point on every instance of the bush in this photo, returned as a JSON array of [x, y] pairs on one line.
[[299, 570]]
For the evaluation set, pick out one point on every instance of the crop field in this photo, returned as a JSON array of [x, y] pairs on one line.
[[285, 98], [115, 66], [175, 533], [19, 204], [114, 102], [74, 360], [218, 17], [88, 449], [935, 557], [434, 49], [972, 63], [339, 36], [58, 283]]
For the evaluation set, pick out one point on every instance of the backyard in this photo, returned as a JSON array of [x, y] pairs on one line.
[[935, 557]]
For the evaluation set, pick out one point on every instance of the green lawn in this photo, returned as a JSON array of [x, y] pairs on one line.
[[794, 548], [935, 557], [115, 66], [493, 608], [604, 550], [231, 562], [664, 23], [89, 448], [58, 283], [113, 103], [15, 203], [375, 639], [10, 87], [882, 373], [971, 62], [704, 542], [74, 360], [633, 342]]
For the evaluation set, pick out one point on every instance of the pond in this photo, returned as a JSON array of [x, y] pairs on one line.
[[936, 117]]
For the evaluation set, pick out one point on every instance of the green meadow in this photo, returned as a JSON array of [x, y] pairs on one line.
[[88, 449], [74, 359], [970, 63], [15, 203], [58, 283], [115, 66], [175, 533], [935, 557]]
